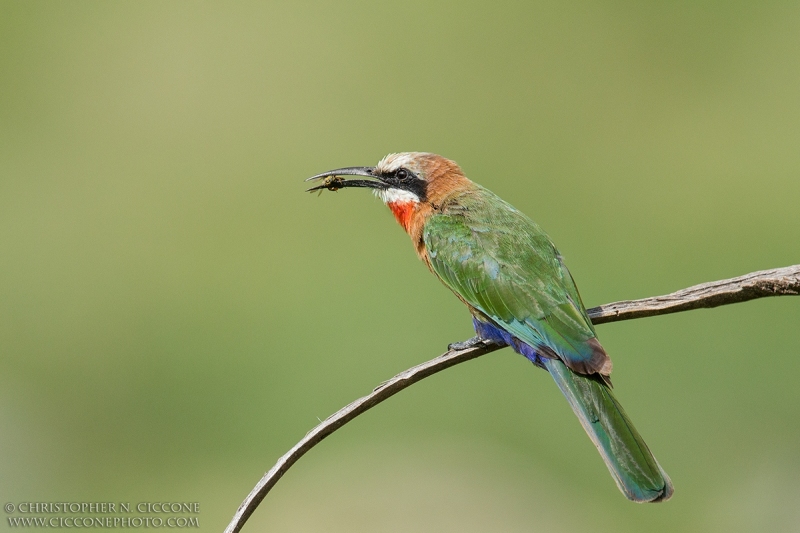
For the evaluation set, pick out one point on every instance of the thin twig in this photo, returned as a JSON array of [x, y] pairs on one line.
[[776, 282]]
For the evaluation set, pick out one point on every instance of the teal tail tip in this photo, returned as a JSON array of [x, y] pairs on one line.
[[639, 494], [637, 473]]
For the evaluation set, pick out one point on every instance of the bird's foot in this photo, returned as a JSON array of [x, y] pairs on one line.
[[469, 343]]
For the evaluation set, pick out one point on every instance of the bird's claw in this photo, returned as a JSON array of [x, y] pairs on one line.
[[469, 343]]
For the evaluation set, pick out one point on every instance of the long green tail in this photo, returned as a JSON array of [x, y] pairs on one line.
[[636, 471]]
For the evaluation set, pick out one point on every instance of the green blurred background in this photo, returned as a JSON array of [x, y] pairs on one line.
[[175, 313]]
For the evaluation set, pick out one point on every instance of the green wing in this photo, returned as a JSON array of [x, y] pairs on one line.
[[502, 263]]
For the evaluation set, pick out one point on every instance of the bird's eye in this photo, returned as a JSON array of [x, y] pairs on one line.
[[401, 174]]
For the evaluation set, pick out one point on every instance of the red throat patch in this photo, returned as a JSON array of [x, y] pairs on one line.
[[403, 212]]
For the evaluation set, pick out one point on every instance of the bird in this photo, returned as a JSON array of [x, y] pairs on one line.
[[514, 282]]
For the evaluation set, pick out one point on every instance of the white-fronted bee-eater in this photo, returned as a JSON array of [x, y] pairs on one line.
[[515, 284]]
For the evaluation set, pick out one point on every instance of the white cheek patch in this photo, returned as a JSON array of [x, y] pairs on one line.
[[391, 196]]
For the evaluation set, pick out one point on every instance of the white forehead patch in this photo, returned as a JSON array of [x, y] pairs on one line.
[[391, 196], [392, 162]]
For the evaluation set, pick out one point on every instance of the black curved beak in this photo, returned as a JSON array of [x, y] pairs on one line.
[[334, 181]]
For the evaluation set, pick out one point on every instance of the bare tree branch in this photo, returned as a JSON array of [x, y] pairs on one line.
[[776, 282]]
